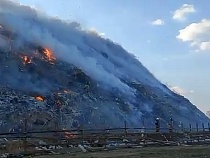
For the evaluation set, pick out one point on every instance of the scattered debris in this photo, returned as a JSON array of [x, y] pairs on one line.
[[82, 148]]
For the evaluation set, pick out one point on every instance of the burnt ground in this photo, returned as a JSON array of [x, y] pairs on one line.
[[150, 152]]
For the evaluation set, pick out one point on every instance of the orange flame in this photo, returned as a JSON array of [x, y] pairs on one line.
[[26, 60], [69, 135], [40, 98], [49, 55]]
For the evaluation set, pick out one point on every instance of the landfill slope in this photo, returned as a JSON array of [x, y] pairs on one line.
[[55, 74], [59, 95]]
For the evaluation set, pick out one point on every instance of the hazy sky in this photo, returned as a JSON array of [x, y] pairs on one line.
[[171, 38]]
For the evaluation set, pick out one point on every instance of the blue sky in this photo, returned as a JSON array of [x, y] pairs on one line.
[[171, 38]]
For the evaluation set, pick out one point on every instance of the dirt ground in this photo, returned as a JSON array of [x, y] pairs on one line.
[[149, 152]]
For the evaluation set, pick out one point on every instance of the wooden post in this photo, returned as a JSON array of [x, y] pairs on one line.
[[25, 136], [196, 126], [104, 138], [143, 129], [190, 127], [182, 127], [143, 124], [209, 126], [203, 126], [157, 125], [125, 126], [104, 135], [82, 134], [170, 125]]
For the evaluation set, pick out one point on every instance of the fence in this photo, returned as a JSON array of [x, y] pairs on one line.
[[34, 142]]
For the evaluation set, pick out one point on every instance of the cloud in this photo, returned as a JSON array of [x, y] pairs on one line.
[[180, 90], [198, 34], [180, 14], [205, 45], [158, 22]]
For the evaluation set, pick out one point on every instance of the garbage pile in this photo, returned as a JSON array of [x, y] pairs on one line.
[[50, 93], [41, 112]]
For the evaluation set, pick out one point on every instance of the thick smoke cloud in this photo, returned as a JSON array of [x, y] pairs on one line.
[[4, 43], [99, 58]]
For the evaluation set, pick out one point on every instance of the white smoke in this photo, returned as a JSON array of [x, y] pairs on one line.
[[4, 43], [71, 44]]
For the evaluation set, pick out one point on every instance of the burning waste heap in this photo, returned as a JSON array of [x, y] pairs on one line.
[[54, 73]]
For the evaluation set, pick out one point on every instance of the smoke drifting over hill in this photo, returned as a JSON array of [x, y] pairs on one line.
[[46, 55], [93, 54]]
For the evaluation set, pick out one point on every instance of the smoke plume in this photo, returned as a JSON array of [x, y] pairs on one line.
[[101, 59]]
